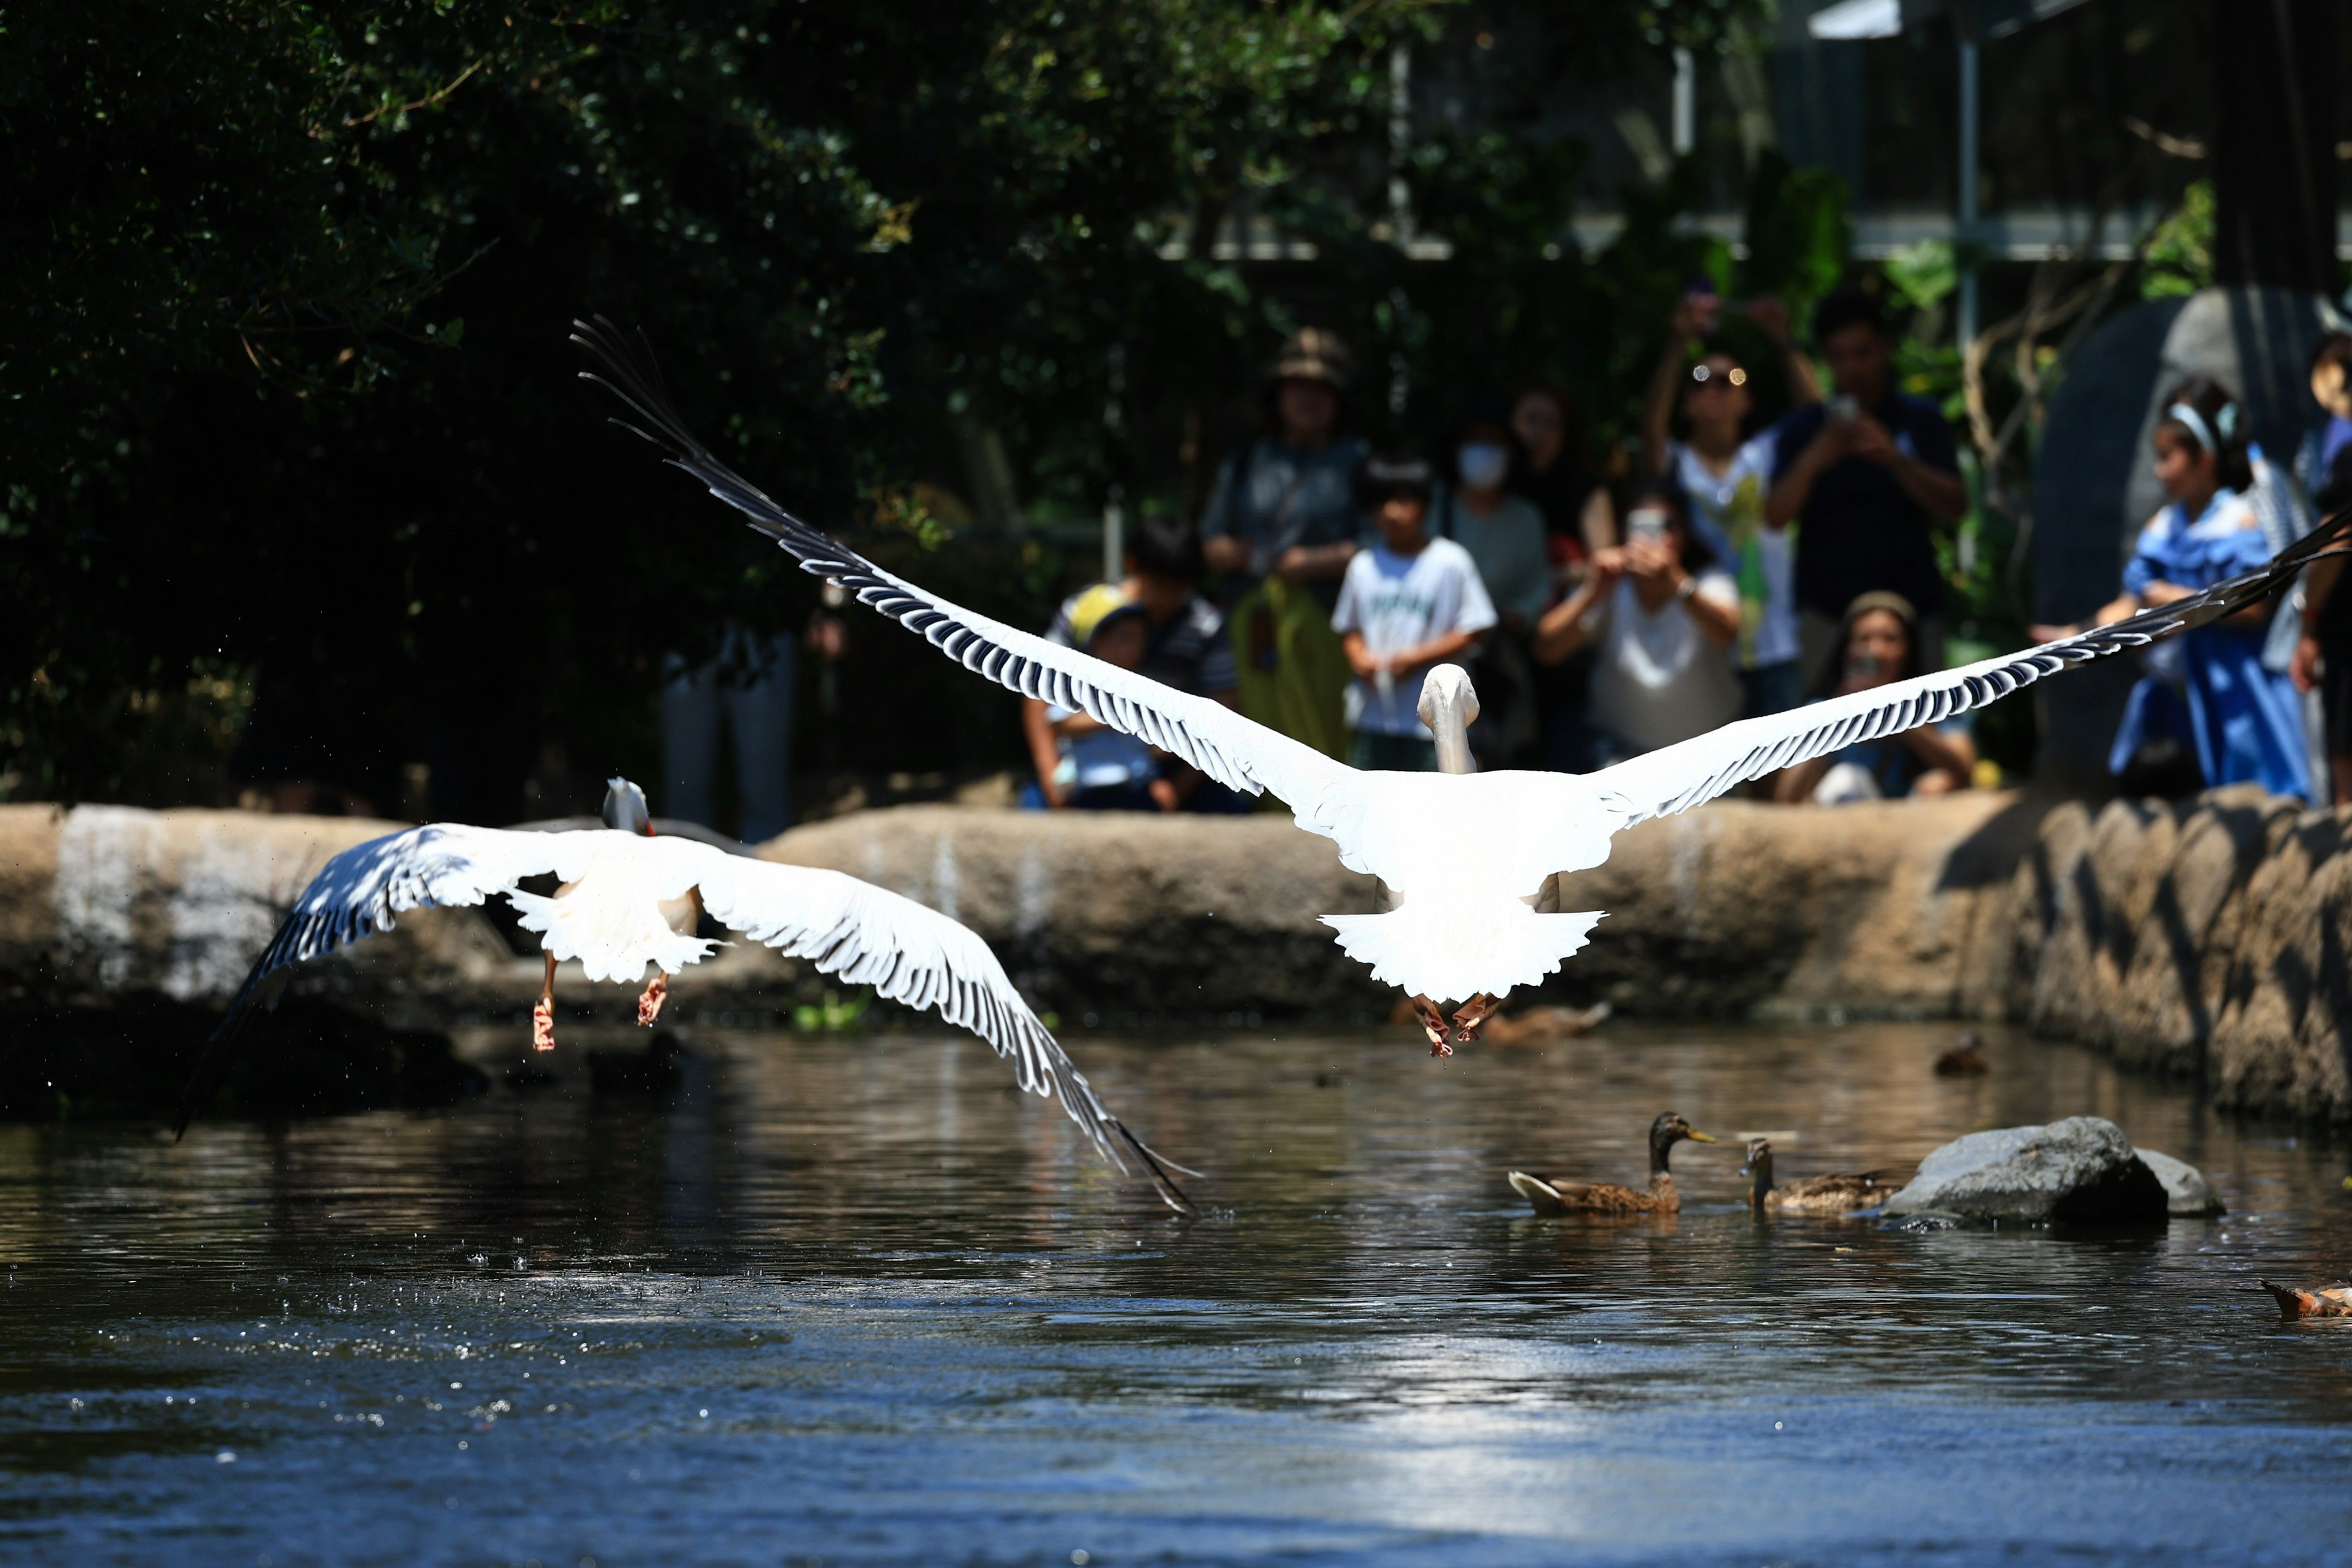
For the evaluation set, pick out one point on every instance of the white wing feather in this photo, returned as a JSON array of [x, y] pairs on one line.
[[1678, 777], [1236, 752], [916, 956], [357, 895]]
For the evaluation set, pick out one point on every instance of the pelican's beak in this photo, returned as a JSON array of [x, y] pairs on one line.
[[1449, 706]]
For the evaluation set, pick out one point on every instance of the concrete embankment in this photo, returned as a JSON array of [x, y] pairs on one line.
[[2205, 939]]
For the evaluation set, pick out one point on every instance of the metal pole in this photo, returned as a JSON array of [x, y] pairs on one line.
[[1114, 522], [1400, 138], [1966, 231], [1685, 102]]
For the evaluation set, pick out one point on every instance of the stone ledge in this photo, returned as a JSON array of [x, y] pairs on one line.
[[2204, 939]]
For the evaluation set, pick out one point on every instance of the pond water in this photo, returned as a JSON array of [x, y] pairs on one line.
[[849, 1300]]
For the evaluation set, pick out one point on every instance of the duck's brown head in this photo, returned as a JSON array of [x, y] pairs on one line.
[[1668, 1131], [1759, 1168]]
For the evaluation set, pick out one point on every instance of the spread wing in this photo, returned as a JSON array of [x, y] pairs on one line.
[[868, 935], [1678, 777], [1235, 751], [440, 865]]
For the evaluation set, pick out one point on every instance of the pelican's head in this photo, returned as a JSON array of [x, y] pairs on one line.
[[1668, 1131], [1449, 706], [624, 807]]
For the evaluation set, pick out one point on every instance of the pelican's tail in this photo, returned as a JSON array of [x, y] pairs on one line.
[[1450, 950]]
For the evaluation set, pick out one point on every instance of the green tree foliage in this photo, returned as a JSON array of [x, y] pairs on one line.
[[294, 424]]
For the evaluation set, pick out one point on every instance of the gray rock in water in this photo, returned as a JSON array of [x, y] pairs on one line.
[[2188, 1194], [2082, 1170]]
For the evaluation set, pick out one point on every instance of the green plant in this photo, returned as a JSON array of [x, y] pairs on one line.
[[2179, 255]]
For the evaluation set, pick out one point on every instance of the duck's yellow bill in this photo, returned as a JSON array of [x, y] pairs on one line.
[[1709, 1138]]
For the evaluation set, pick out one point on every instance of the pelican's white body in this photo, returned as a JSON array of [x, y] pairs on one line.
[[1466, 856], [609, 914]]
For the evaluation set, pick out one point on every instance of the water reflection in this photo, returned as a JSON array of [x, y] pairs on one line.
[[927, 1323]]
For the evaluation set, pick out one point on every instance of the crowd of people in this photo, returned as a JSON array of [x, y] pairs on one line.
[[1757, 565]]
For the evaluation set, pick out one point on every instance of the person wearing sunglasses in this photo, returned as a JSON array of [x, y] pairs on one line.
[[1723, 471]]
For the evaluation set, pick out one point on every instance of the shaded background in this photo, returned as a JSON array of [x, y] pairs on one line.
[[305, 505]]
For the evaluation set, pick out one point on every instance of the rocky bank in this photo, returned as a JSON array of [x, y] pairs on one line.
[[2207, 938]]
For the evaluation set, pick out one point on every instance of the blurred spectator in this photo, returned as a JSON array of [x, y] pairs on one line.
[[1725, 475], [1086, 765], [2206, 690], [1661, 615], [2322, 655], [1880, 647], [1408, 602], [1505, 536], [1868, 474], [1578, 518], [1184, 646], [1281, 526], [749, 689]]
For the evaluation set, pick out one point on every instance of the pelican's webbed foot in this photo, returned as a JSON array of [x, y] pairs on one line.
[[649, 1005], [1473, 1014], [543, 1015], [1433, 1025]]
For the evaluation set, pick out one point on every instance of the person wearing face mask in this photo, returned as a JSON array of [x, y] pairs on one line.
[[1505, 537]]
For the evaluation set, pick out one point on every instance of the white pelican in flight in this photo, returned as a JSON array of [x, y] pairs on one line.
[[627, 899], [1466, 856]]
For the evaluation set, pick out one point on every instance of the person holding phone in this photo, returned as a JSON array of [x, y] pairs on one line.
[[1726, 471], [1661, 617], [1868, 475]]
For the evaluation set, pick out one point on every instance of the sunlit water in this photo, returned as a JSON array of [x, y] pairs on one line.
[[850, 1301]]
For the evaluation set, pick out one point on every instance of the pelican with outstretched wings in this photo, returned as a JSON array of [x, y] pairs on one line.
[[627, 899], [1466, 856]]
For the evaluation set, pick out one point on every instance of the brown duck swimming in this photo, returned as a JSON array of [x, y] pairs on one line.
[[1964, 1059], [2336, 1301], [1839, 1194], [1553, 1195]]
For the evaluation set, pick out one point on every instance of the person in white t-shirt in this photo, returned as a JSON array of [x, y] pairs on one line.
[[1725, 478], [1662, 617], [1406, 604]]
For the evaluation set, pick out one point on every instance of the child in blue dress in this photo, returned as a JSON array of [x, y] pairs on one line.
[[2207, 689]]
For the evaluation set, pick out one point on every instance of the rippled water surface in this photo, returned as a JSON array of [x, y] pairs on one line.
[[851, 1300]]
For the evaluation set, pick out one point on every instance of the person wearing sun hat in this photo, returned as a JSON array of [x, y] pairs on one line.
[[1086, 765], [1185, 646], [1280, 528]]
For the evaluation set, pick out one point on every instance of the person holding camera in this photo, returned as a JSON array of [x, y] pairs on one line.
[[1866, 476], [1661, 615]]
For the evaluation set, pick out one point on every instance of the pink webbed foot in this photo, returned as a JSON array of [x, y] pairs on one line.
[[1473, 1014], [649, 1005], [1433, 1025], [542, 1025]]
